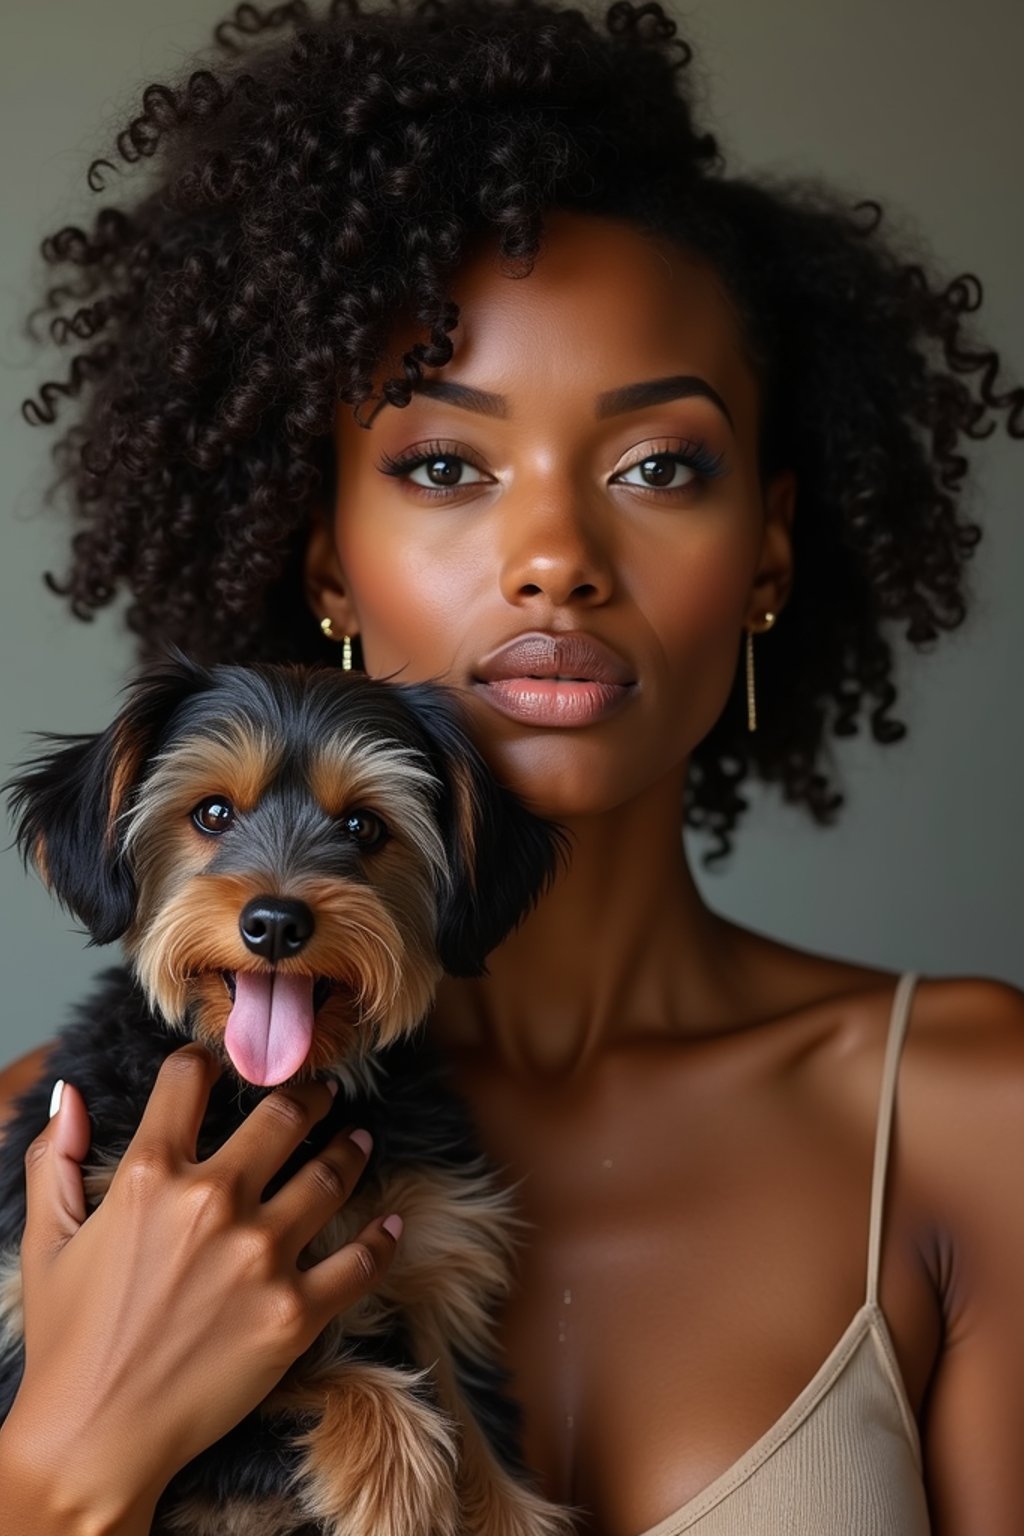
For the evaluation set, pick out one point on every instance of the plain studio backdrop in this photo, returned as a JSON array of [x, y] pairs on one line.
[[915, 104]]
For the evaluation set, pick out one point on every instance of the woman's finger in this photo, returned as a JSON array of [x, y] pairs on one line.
[[345, 1277], [321, 1186], [177, 1103], [267, 1137], [55, 1196]]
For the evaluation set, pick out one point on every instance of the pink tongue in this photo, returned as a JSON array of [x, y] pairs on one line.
[[270, 1028]]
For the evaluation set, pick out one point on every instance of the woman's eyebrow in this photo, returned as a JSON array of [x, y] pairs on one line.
[[480, 400], [631, 397]]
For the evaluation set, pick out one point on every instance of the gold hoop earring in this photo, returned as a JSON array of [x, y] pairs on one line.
[[767, 622]]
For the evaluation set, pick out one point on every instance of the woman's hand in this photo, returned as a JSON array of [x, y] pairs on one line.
[[156, 1323]]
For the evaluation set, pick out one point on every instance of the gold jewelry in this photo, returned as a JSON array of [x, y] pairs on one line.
[[767, 622], [346, 644]]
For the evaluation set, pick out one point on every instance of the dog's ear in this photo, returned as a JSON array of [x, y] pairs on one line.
[[503, 857], [67, 802]]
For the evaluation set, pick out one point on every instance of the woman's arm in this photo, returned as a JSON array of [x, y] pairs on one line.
[[155, 1323], [967, 1103]]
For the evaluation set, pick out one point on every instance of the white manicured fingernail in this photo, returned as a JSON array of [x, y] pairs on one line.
[[56, 1096]]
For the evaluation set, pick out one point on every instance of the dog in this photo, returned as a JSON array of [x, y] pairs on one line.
[[293, 857]]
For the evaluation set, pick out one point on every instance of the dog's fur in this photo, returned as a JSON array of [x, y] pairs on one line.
[[397, 1421]]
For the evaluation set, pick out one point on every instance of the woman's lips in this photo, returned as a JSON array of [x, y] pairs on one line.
[[563, 679], [543, 701]]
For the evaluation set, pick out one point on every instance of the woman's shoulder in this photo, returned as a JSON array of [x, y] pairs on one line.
[[961, 1068], [959, 1090], [962, 1086], [963, 1033], [973, 1023], [20, 1075], [951, 1017]]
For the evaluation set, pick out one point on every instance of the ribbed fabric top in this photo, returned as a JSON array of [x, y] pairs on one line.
[[845, 1457]]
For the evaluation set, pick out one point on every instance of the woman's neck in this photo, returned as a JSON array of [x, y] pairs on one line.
[[621, 949]]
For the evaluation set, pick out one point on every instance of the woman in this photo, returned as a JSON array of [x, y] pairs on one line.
[[444, 328]]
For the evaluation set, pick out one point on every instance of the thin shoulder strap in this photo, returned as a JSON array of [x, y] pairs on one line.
[[897, 1029]]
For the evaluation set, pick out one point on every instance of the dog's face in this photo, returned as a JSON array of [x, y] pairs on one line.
[[292, 856]]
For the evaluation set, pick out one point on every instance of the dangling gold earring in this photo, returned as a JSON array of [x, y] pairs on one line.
[[346, 644], [768, 621]]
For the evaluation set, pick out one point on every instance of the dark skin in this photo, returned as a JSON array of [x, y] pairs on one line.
[[690, 1104]]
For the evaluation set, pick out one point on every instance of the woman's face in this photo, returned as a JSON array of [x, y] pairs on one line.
[[561, 507]]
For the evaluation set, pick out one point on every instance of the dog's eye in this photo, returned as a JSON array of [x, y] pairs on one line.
[[214, 814], [365, 828]]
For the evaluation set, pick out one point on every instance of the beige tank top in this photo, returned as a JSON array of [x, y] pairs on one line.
[[845, 1457]]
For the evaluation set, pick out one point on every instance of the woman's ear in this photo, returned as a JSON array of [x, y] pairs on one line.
[[774, 579], [325, 585]]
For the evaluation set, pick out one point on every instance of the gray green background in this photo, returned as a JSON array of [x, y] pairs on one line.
[[916, 104]]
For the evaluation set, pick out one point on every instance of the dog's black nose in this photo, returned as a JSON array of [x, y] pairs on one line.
[[274, 927]]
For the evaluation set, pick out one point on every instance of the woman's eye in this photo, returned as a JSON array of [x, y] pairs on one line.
[[661, 472], [673, 470], [214, 814], [437, 469], [446, 470], [364, 828]]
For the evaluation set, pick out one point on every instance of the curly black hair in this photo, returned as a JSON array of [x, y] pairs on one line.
[[326, 173]]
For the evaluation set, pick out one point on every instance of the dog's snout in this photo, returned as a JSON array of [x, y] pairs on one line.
[[275, 927]]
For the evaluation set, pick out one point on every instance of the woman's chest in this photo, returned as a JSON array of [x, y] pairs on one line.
[[689, 1266]]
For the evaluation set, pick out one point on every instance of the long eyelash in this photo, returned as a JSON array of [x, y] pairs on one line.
[[391, 466], [695, 455]]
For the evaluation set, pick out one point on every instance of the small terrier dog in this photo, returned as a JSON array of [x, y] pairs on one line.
[[293, 857]]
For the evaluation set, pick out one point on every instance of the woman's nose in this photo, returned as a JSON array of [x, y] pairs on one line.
[[556, 546]]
